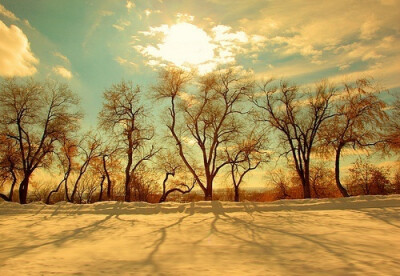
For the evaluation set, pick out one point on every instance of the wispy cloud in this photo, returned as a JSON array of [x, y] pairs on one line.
[[63, 72], [62, 57], [122, 24], [7, 13]]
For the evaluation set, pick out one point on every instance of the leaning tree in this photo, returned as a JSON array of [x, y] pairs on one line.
[[358, 122]]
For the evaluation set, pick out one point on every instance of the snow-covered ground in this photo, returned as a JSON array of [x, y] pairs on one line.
[[356, 236]]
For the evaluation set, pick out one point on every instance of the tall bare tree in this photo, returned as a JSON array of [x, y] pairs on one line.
[[203, 122], [358, 123], [297, 117], [36, 115], [123, 117]]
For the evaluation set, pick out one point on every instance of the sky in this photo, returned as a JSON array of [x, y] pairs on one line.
[[93, 43]]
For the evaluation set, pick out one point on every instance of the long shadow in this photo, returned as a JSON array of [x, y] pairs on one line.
[[81, 233], [382, 215], [254, 232]]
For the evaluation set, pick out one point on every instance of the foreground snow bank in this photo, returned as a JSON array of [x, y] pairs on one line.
[[359, 235]]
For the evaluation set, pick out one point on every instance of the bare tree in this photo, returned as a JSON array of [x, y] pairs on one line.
[[67, 153], [88, 151], [296, 116], [392, 135], [367, 179], [171, 166], [86, 190], [36, 115], [203, 122], [359, 117], [8, 161], [124, 116], [246, 155]]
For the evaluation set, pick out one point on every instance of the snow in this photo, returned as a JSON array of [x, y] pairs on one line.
[[354, 236]]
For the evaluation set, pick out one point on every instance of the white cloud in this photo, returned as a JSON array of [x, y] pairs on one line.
[[122, 24], [184, 17], [16, 57], [62, 57], [183, 44], [63, 72], [148, 12], [189, 46], [130, 5], [7, 13], [123, 61]]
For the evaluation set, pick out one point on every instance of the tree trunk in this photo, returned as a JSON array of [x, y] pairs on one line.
[[237, 194], [337, 173], [54, 191], [108, 178], [23, 189], [208, 193], [306, 181], [128, 170], [101, 188], [306, 190], [10, 195]]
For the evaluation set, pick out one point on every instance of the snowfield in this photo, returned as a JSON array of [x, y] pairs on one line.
[[355, 236]]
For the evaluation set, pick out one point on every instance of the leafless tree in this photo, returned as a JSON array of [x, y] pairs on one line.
[[203, 122], [392, 134], [89, 149], [36, 115], [124, 117], [9, 158], [244, 156], [171, 166], [358, 123], [367, 179], [67, 153], [297, 116]]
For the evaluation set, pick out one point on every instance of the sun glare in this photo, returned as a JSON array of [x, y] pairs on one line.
[[186, 44]]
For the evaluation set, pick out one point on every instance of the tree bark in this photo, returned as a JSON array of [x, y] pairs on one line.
[[237, 194], [108, 178], [23, 189], [101, 188], [342, 190], [208, 195], [54, 191], [128, 169]]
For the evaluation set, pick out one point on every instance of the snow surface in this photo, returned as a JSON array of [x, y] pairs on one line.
[[355, 236]]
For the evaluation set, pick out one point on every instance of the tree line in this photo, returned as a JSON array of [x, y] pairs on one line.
[[216, 127]]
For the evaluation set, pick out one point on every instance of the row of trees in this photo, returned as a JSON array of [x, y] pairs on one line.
[[222, 124]]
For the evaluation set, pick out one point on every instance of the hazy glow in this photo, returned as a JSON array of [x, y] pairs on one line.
[[185, 44]]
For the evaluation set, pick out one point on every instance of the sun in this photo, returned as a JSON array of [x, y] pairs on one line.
[[185, 44]]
